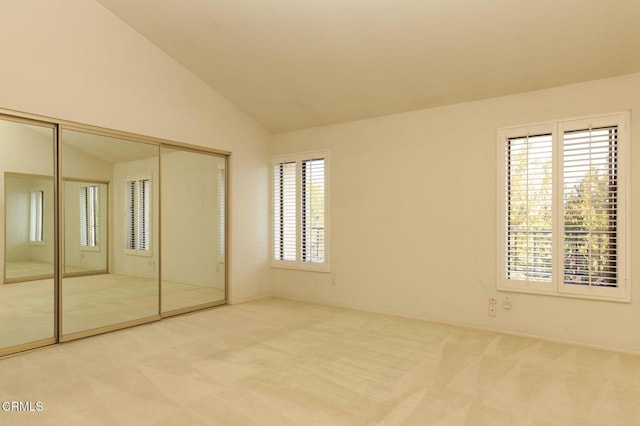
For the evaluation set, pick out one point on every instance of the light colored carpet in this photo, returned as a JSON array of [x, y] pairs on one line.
[[280, 362]]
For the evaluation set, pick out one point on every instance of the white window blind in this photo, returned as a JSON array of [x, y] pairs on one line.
[[89, 216], [130, 215], [300, 211], [36, 223], [590, 198], [138, 214], [284, 194], [222, 188], [144, 219], [312, 211], [529, 202], [563, 216]]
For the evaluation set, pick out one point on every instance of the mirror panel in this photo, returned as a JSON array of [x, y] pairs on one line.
[[114, 283], [28, 235], [193, 230]]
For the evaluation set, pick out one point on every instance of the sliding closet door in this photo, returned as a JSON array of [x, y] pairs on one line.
[[110, 233], [27, 252], [193, 230]]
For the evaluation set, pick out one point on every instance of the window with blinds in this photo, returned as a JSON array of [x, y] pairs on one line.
[[285, 202], [529, 203], [89, 216], [299, 211], [562, 220], [36, 220], [222, 189], [138, 215], [312, 211], [590, 201]]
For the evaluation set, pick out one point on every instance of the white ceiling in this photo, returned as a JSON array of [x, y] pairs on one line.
[[294, 64], [108, 149]]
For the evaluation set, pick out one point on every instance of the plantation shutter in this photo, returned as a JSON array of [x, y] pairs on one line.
[[284, 201], [144, 219], [222, 187], [590, 200], [529, 199], [313, 211], [36, 228], [89, 216], [93, 216], [84, 223], [130, 215]]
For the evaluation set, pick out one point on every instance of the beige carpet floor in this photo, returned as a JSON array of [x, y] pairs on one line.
[[280, 362]]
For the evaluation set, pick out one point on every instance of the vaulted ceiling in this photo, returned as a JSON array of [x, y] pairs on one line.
[[294, 64]]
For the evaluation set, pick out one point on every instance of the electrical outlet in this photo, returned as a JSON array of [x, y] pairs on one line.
[[333, 280], [493, 301], [506, 302]]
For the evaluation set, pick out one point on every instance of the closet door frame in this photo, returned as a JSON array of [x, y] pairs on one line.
[[56, 125]]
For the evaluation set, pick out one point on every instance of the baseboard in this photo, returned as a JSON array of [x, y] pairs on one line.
[[231, 301], [472, 327]]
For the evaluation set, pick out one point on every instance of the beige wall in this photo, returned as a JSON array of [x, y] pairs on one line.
[[74, 60], [413, 210]]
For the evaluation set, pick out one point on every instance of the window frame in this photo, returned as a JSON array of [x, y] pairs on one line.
[[298, 263], [557, 286]]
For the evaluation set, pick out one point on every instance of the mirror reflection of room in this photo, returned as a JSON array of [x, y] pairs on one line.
[[104, 250], [86, 227], [29, 227], [193, 229], [110, 235], [28, 245]]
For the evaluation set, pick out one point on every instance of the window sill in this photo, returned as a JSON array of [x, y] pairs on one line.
[[323, 267], [598, 297], [141, 253], [90, 249]]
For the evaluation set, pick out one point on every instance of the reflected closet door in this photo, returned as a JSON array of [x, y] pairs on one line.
[[193, 230], [28, 251], [110, 231]]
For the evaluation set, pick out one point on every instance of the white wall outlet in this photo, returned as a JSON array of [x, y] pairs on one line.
[[506, 301], [332, 280], [493, 301]]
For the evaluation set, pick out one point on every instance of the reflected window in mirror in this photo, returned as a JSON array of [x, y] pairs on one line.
[[89, 199], [221, 212], [36, 223], [138, 215]]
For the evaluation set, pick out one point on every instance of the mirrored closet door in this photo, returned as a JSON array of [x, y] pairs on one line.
[[110, 233], [104, 230], [27, 297], [193, 230]]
